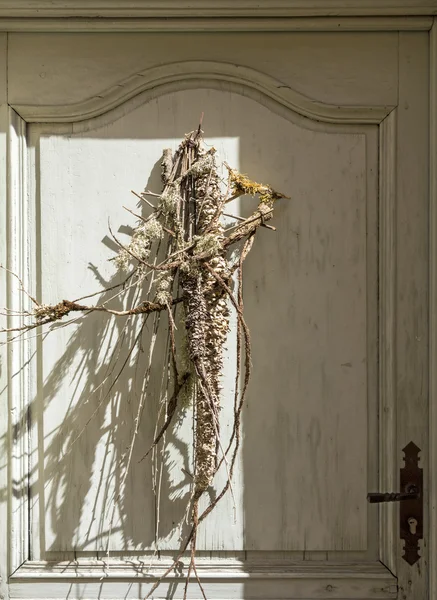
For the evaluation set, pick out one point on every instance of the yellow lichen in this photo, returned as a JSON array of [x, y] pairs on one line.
[[241, 184]]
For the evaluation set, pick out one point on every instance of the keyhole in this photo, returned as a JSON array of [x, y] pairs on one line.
[[412, 523]]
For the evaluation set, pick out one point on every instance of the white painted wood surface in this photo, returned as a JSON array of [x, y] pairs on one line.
[[388, 449], [19, 381], [303, 399], [317, 65], [328, 428], [4, 408], [219, 580], [412, 234], [152, 83]]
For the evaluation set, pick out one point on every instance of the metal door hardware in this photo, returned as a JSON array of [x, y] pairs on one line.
[[411, 503], [412, 524], [391, 497]]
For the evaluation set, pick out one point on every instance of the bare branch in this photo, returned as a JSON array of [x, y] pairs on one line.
[[21, 284], [50, 313]]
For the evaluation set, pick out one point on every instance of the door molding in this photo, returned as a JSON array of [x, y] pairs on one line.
[[19, 392], [220, 15], [156, 81], [191, 22], [388, 451], [222, 8], [432, 528], [78, 579]]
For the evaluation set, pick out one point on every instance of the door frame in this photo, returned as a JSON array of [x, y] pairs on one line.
[[432, 549], [177, 9]]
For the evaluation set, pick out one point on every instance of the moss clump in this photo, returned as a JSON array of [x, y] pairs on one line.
[[140, 244], [208, 244], [241, 185]]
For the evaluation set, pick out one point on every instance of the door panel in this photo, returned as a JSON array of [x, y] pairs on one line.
[[303, 401], [319, 428]]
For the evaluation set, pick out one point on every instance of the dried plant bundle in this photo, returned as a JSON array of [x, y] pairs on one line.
[[197, 275]]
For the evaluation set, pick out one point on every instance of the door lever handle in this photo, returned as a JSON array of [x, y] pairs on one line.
[[411, 503], [411, 494]]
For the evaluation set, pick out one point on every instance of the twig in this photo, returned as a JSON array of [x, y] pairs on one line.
[[146, 220], [62, 309], [148, 193], [242, 219], [170, 412], [21, 285], [145, 200]]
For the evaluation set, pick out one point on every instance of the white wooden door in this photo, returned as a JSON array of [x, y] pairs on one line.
[[336, 301]]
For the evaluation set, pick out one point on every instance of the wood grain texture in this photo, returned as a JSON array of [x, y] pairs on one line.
[[4, 404], [412, 274], [304, 289], [166, 79], [65, 69], [19, 355], [4, 408], [388, 449], [169, 114], [220, 580], [300, 589], [217, 24], [171, 8], [3, 68]]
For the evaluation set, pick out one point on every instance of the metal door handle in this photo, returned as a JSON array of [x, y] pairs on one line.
[[411, 493], [411, 503]]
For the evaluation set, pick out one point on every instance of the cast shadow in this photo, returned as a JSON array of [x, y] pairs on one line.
[[106, 364]]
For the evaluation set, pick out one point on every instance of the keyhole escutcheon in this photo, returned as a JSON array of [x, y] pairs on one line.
[[412, 524]]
